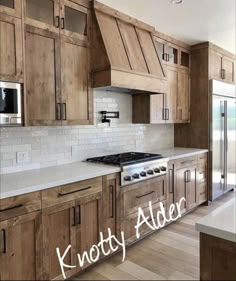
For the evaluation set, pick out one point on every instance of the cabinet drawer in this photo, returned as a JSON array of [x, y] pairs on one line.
[[129, 223], [186, 162], [19, 205], [202, 159], [139, 195], [71, 192], [202, 174], [202, 193]]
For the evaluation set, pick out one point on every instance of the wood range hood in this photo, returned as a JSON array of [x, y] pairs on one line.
[[124, 55]]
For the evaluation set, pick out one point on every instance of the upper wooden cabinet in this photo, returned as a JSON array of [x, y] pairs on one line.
[[11, 7], [170, 107], [58, 90], [65, 16], [222, 67], [11, 49]]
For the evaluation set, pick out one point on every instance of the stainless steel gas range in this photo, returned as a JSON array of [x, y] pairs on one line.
[[135, 166]]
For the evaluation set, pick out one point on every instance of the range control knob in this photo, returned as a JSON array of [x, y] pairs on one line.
[[143, 174], [150, 172], [127, 178], [136, 176], [163, 169], [157, 170]]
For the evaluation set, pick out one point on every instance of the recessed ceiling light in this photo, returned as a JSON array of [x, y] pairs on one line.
[[176, 2]]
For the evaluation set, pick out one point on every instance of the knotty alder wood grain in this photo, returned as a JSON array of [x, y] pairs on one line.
[[11, 49], [169, 254]]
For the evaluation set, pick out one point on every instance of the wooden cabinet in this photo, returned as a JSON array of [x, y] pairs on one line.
[[222, 67], [11, 7], [170, 107], [42, 76], [11, 49], [43, 14], [168, 52], [72, 218], [76, 94], [57, 68], [183, 97], [187, 178], [20, 238], [110, 203], [139, 195]]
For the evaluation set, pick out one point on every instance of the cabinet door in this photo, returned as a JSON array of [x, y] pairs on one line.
[[20, 240], [171, 96], [160, 47], [109, 196], [42, 77], [43, 14], [11, 49], [191, 188], [183, 98], [11, 7], [172, 54], [216, 65], [228, 70], [88, 224], [59, 230], [180, 188], [185, 58], [76, 93], [74, 19], [157, 109]]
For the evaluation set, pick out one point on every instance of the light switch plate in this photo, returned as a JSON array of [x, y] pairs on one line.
[[22, 157]]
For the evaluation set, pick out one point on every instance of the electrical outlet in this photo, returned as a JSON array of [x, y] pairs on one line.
[[22, 157]]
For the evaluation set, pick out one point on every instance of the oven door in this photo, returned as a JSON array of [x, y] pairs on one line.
[[10, 104]]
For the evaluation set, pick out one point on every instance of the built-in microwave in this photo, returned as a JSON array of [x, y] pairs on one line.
[[10, 104]]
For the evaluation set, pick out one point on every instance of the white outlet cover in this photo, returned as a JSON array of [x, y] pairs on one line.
[[22, 157]]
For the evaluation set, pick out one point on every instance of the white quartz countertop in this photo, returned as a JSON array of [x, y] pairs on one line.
[[178, 152], [221, 222], [35, 180], [29, 181]]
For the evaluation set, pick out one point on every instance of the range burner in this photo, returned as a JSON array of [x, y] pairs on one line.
[[125, 159], [135, 166]]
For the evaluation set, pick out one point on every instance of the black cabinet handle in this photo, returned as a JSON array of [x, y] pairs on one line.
[[79, 218], [68, 193], [63, 110], [138, 197], [171, 180], [11, 208], [58, 111], [57, 22], [4, 251], [62, 23], [77, 215], [112, 201]]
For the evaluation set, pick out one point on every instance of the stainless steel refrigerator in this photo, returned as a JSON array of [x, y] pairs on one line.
[[222, 138]]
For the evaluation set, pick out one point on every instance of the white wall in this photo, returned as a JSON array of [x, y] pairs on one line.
[[50, 146]]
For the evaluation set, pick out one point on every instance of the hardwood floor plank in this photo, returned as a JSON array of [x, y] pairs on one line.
[[138, 271]]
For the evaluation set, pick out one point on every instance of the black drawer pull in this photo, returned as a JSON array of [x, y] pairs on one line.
[[145, 194], [68, 193], [11, 208], [4, 251]]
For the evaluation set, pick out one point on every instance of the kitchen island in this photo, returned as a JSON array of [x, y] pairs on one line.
[[218, 243]]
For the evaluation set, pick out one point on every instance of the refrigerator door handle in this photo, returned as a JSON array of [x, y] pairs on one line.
[[225, 143]]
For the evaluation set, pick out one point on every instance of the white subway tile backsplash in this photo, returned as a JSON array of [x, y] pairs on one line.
[[50, 146]]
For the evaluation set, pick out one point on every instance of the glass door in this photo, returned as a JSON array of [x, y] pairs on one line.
[[43, 14], [74, 20], [11, 7]]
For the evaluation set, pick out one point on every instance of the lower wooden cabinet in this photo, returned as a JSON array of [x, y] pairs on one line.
[[21, 245], [74, 223]]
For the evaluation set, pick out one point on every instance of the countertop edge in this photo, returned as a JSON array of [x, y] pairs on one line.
[[217, 232]]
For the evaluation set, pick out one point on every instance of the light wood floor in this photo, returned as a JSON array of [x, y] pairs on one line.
[[169, 254]]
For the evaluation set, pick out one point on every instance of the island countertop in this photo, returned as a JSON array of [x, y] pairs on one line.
[[221, 222]]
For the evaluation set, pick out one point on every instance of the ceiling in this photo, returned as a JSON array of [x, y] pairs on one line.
[[193, 21]]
